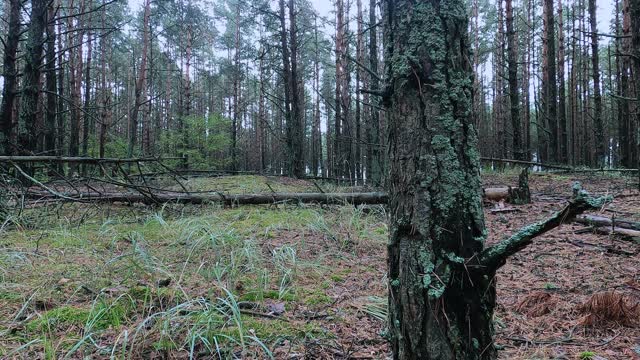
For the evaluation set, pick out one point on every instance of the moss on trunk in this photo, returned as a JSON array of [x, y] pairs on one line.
[[438, 309]]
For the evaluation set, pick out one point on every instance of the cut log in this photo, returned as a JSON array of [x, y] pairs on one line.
[[519, 195], [602, 221], [497, 194]]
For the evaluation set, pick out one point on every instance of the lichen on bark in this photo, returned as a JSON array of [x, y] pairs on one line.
[[435, 195]]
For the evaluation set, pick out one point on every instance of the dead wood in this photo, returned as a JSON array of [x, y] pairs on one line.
[[601, 221], [227, 199], [495, 256]]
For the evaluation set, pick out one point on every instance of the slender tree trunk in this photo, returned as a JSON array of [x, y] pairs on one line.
[[51, 81], [28, 129], [563, 155], [61, 116], [316, 135], [549, 86], [359, 78], [437, 309], [297, 100], [375, 169], [236, 95], [512, 54], [86, 116], [75, 76], [600, 144], [340, 70], [635, 45], [140, 87], [10, 77]]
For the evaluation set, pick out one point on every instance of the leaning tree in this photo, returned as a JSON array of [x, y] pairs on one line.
[[441, 276]]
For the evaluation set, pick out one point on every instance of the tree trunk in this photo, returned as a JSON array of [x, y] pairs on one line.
[[550, 90], [10, 77], [86, 128], [512, 55], [359, 78], [600, 144], [51, 81], [75, 78], [437, 309], [563, 155], [28, 129], [297, 106], [340, 70], [140, 87], [635, 41], [374, 174]]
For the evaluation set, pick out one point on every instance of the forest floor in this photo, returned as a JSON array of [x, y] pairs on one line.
[[290, 281]]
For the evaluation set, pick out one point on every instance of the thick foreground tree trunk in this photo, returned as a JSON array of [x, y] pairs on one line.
[[441, 279], [437, 309]]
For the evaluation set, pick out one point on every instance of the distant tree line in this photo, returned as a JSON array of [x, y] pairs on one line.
[[274, 86]]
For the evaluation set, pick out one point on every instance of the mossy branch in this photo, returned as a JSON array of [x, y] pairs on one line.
[[494, 257]]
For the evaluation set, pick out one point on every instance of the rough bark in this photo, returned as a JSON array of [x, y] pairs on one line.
[[437, 309], [140, 87], [563, 155], [374, 167], [10, 77], [296, 142], [51, 81], [550, 97], [87, 113], [28, 129], [635, 40], [600, 144], [512, 58]]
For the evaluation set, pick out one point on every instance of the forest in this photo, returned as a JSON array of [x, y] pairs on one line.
[[310, 179]]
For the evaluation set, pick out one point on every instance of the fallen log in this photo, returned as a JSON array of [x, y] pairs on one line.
[[630, 233], [370, 198], [81, 160], [523, 162], [602, 221]]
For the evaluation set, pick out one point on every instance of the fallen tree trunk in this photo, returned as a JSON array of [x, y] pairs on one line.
[[602, 221], [523, 162], [618, 231], [370, 198], [81, 160]]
